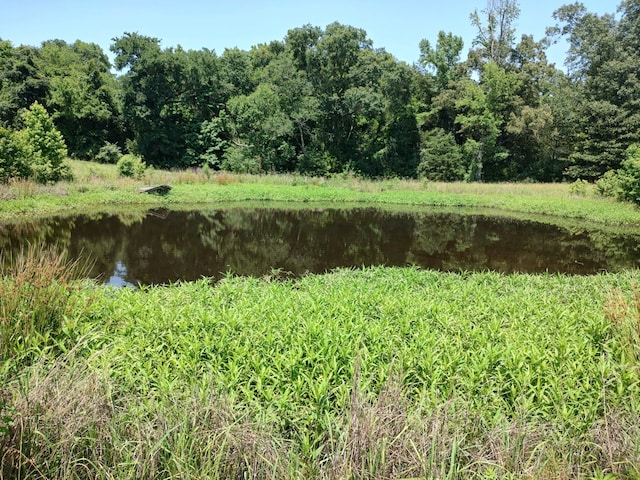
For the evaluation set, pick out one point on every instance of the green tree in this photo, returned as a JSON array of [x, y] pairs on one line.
[[604, 66], [21, 81], [13, 157], [260, 119], [168, 94], [441, 158], [43, 145], [82, 96], [495, 39], [479, 127], [443, 61]]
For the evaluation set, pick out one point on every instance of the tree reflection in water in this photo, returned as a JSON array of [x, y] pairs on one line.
[[167, 246]]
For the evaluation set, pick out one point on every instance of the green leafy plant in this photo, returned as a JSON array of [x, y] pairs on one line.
[[131, 165], [629, 175], [609, 185], [579, 188], [109, 153], [43, 145], [13, 159]]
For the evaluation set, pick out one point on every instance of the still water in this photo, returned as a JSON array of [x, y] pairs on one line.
[[162, 246]]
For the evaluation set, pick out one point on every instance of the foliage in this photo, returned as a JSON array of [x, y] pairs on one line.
[[579, 188], [238, 159], [441, 158], [22, 82], [608, 185], [39, 145], [131, 165], [624, 183], [82, 95], [108, 153], [35, 296], [324, 100], [14, 162], [603, 59], [375, 373]]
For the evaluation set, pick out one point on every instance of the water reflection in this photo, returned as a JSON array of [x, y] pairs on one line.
[[163, 246]]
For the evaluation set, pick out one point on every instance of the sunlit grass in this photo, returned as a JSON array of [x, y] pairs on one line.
[[35, 295], [373, 373], [98, 186]]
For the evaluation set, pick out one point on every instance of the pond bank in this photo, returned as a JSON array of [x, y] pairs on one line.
[[77, 198]]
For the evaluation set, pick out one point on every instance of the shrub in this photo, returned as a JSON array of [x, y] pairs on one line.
[[109, 153], [629, 176], [624, 183], [609, 185], [43, 146], [13, 158], [131, 165], [579, 188]]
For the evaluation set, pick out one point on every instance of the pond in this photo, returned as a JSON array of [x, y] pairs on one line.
[[162, 246]]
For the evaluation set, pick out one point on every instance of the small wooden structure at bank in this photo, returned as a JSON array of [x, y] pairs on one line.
[[158, 189]]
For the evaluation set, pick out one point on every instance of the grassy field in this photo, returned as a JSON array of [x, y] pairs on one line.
[[377, 373], [97, 187]]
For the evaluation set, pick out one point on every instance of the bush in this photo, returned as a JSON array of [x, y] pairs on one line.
[[13, 159], [109, 153], [579, 188], [629, 176], [131, 165], [43, 146], [624, 183], [609, 185]]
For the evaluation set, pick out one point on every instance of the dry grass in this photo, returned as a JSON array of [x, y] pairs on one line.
[[70, 421], [624, 314]]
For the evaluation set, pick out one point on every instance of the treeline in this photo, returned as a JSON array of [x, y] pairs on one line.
[[323, 101]]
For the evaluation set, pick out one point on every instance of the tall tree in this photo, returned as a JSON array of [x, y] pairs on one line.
[[443, 61], [604, 65], [82, 95], [168, 94], [21, 81], [495, 39]]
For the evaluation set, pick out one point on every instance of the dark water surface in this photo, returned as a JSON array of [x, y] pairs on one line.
[[165, 246]]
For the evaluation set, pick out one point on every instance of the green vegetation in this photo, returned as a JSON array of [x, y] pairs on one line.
[[325, 101], [375, 373], [98, 186], [358, 374], [36, 151], [131, 166]]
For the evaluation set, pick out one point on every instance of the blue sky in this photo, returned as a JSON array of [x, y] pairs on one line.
[[396, 25]]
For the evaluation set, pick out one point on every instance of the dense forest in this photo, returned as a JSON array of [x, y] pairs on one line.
[[325, 101]]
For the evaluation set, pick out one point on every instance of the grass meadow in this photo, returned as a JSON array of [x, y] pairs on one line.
[[373, 373], [98, 187]]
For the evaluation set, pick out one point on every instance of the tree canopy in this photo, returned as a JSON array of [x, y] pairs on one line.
[[325, 100]]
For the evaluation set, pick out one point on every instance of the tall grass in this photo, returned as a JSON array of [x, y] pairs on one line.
[[372, 374], [35, 297]]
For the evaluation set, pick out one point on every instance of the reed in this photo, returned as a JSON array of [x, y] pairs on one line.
[[36, 293]]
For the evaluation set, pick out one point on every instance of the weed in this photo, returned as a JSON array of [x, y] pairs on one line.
[[624, 315], [35, 294]]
